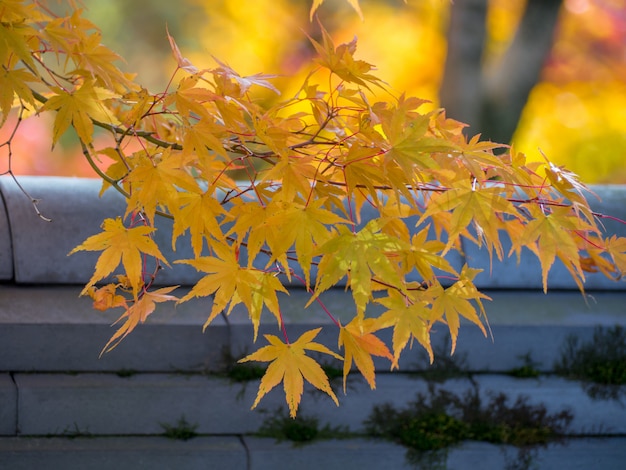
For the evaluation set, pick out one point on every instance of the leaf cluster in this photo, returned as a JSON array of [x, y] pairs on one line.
[[272, 193]]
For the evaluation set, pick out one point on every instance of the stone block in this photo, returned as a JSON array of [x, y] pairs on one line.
[[40, 248], [6, 245], [106, 404], [122, 453], [266, 454], [50, 328], [8, 406]]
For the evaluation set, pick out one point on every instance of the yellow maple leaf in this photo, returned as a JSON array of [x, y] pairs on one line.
[[202, 214], [232, 284], [157, 180], [120, 244], [359, 255], [290, 364], [454, 302], [481, 206], [137, 313], [340, 60], [410, 318], [360, 344], [13, 82], [555, 234], [78, 108]]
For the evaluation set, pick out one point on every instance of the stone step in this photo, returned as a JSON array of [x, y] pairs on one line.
[[144, 404], [253, 453], [49, 328], [35, 251]]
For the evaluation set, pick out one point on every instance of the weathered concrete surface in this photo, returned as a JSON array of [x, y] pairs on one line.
[[50, 328], [105, 404], [8, 406], [6, 245], [122, 453], [40, 249]]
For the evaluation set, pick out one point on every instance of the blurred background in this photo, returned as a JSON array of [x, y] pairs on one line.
[[545, 75]]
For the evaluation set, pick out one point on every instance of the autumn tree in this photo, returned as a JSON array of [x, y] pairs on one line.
[[272, 196], [490, 95]]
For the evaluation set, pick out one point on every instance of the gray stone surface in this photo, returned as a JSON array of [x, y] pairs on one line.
[[106, 404], [40, 248], [8, 406], [575, 454], [266, 454], [6, 248], [122, 453], [52, 329], [230, 453]]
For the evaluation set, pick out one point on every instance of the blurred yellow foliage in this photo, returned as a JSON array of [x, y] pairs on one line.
[[576, 114]]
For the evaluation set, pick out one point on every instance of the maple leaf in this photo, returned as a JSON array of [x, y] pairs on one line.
[[232, 284], [14, 38], [290, 364], [341, 61], [410, 318], [263, 293], [106, 297], [359, 255], [120, 244], [157, 180], [78, 108], [245, 82], [96, 61], [182, 62], [454, 302], [360, 344], [202, 214], [616, 248], [305, 227], [555, 235], [13, 82], [478, 205], [137, 313], [423, 256]]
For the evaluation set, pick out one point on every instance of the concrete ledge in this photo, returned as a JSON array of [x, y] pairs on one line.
[[6, 246], [122, 453], [575, 454], [40, 248], [105, 404], [52, 329], [8, 406], [34, 251], [138, 453]]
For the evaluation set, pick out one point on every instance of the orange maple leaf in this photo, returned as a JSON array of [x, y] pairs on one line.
[[290, 364], [106, 297], [360, 345], [137, 313], [120, 244]]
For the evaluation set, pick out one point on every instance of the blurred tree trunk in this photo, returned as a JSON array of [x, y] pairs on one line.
[[491, 101]]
